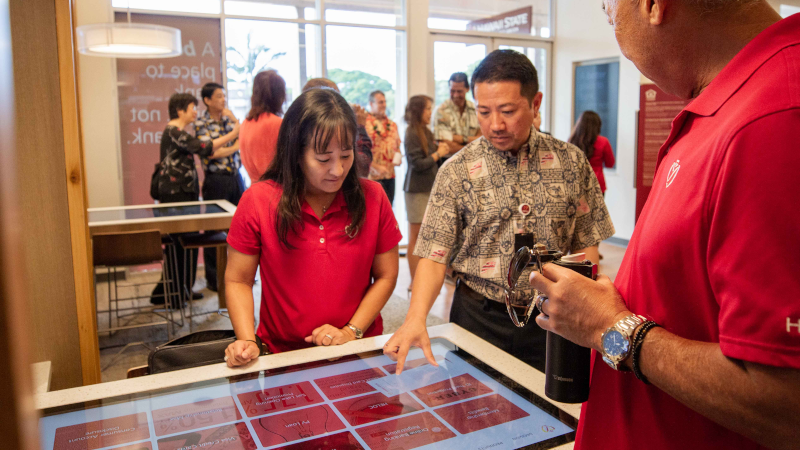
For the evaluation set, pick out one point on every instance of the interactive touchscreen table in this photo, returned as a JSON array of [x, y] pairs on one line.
[[354, 402], [183, 217]]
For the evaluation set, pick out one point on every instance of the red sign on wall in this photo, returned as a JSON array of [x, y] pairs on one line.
[[144, 87], [657, 109]]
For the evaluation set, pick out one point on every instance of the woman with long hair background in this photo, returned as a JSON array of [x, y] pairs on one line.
[[258, 137], [326, 241], [586, 136], [422, 155]]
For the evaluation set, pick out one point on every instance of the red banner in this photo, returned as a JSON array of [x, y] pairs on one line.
[[144, 87], [656, 111]]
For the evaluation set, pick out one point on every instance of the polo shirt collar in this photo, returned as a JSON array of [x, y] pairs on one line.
[[337, 204], [764, 46]]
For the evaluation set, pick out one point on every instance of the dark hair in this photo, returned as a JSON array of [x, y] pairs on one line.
[[508, 65], [585, 132], [320, 83], [180, 102], [374, 93], [269, 94], [208, 90], [460, 77], [413, 117], [316, 117]]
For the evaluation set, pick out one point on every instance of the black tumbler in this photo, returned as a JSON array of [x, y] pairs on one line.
[[567, 364]]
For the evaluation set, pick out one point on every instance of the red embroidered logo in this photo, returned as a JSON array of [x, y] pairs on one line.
[[437, 254], [547, 157], [475, 168], [488, 266], [673, 172]]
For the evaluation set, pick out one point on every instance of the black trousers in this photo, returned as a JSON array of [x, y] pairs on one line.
[[388, 187], [489, 320], [177, 284], [219, 186]]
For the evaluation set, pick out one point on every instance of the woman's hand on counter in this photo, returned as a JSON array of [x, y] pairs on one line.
[[330, 335], [241, 352]]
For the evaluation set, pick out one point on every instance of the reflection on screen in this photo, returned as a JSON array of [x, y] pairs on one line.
[[161, 210], [352, 404]]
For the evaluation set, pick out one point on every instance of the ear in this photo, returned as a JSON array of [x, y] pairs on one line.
[[536, 103], [656, 11]]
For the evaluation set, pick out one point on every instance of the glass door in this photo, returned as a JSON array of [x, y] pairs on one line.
[[539, 54], [453, 54]]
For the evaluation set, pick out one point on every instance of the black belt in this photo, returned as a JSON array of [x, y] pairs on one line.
[[486, 303]]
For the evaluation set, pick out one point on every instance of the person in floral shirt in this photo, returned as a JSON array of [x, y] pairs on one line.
[[385, 143]]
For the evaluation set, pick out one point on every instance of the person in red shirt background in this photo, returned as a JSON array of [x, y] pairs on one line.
[[326, 241], [258, 136], [712, 260], [586, 136]]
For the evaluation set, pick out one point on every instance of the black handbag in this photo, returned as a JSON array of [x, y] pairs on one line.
[[193, 350], [154, 182]]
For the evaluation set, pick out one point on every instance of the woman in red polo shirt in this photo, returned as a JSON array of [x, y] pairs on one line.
[[586, 136], [326, 240]]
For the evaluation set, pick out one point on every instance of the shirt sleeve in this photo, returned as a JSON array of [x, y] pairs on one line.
[[417, 158], [442, 125], [753, 243], [608, 154], [592, 221], [441, 225], [245, 232], [389, 234]]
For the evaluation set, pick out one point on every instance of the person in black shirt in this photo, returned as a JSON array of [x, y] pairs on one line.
[[177, 175]]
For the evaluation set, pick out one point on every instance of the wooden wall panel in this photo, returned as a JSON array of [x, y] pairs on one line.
[[18, 426], [76, 196], [42, 180]]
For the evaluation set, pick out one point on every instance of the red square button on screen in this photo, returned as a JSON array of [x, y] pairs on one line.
[[234, 436], [372, 407], [295, 425], [349, 384], [480, 413], [405, 433], [103, 433], [460, 387], [340, 441], [279, 398], [200, 414]]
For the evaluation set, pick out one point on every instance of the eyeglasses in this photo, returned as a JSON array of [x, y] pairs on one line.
[[515, 300]]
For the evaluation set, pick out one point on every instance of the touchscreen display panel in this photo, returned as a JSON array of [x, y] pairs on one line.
[[162, 210], [353, 403]]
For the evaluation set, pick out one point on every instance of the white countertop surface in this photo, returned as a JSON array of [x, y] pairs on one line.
[[513, 368]]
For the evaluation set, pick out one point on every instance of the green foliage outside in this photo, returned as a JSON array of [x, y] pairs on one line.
[[356, 86], [248, 62]]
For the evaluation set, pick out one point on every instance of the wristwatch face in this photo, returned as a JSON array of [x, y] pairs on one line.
[[615, 344]]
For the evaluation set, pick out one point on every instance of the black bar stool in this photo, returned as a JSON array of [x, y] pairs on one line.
[[191, 242]]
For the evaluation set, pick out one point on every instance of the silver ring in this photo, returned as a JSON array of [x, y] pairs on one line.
[[225, 358], [540, 301], [329, 337]]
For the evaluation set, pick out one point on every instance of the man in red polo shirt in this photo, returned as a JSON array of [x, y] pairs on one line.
[[714, 257]]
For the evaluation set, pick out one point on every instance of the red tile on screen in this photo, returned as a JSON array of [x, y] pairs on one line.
[[405, 433], [233, 436], [372, 407], [392, 368], [279, 398], [457, 388], [340, 441], [484, 412], [140, 446], [295, 425], [349, 384], [200, 414], [102, 433]]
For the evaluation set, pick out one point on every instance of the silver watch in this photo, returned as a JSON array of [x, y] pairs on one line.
[[358, 331], [616, 341]]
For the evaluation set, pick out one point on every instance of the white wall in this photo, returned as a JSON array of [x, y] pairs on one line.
[[97, 84], [583, 33]]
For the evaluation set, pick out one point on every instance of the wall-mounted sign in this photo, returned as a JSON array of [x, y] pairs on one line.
[[144, 89], [657, 109], [513, 22]]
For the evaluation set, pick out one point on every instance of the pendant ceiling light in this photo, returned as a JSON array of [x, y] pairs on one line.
[[129, 40]]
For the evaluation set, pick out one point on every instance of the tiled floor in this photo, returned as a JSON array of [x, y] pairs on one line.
[[141, 340]]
